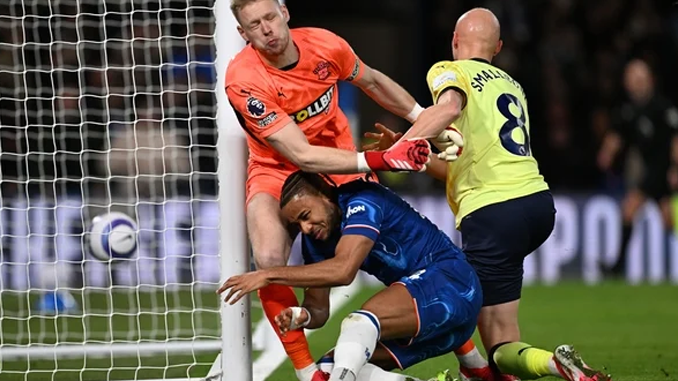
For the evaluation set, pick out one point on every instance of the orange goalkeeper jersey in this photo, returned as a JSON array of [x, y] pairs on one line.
[[266, 98]]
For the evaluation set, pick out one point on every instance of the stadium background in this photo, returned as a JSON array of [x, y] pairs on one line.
[[112, 103]]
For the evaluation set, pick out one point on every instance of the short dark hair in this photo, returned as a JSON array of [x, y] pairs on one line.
[[301, 182]]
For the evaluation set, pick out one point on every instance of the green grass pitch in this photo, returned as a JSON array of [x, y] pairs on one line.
[[630, 330], [124, 315]]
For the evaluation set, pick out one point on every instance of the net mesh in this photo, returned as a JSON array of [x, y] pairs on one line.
[[107, 106]]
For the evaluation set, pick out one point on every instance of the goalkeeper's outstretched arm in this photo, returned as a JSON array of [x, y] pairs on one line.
[[291, 142]]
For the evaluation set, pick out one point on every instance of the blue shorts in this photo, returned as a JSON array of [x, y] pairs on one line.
[[447, 297], [498, 237]]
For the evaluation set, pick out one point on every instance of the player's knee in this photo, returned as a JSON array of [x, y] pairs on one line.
[[506, 324], [499, 331], [361, 321], [269, 258]]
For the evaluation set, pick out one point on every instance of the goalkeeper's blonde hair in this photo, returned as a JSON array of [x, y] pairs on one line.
[[237, 5]]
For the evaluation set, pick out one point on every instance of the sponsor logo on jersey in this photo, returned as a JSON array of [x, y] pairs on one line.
[[268, 119], [417, 275], [354, 210], [322, 70], [255, 107], [320, 105]]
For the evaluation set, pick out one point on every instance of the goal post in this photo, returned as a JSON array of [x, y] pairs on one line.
[[120, 106], [236, 353]]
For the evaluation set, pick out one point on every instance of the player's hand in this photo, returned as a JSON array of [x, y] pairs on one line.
[[450, 154], [386, 138], [451, 143], [409, 155], [292, 318], [240, 285]]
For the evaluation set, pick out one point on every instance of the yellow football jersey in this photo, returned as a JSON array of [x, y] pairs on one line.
[[497, 163]]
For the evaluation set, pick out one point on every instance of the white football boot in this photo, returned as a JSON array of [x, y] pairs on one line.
[[573, 368]]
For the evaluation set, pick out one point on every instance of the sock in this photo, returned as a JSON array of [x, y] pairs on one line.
[[307, 373], [469, 356], [326, 363], [369, 372], [620, 265], [274, 299], [524, 361], [359, 335]]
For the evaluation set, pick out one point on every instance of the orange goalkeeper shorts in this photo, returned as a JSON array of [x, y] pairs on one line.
[[270, 179]]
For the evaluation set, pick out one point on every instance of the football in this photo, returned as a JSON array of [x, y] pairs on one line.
[[112, 236]]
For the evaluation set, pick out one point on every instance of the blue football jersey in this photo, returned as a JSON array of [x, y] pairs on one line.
[[405, 241]]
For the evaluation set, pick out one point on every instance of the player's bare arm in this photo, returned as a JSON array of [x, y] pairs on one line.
[[437, 168], [317, 303], [291, 142], [340, 270], [388, 94], [437, 118], [313, 313]]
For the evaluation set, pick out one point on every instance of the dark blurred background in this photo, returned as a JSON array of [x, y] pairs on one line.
[[117, 93], [569, 55]]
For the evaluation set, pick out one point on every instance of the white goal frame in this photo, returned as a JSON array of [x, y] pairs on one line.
[[235, 341], [236, 348]]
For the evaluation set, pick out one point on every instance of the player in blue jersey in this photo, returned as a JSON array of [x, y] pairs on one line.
[[434, 296]]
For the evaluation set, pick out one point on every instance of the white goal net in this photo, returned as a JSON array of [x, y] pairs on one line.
[[108, 105]]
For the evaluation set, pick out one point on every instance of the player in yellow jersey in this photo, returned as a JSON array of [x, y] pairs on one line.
[[502, 204]]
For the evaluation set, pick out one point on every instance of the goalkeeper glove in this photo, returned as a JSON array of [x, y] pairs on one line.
[[451, 144], [410, 155]]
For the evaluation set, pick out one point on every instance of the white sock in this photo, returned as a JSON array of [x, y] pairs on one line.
[[326, 363], [371, 372], [357, 340], [307, 373], [472, 360], [342, 374]]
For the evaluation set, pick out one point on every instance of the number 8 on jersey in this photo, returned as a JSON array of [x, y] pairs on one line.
[[497, 163], [504, 102]]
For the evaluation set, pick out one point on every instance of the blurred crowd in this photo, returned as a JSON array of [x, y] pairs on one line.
[[121, 93], [112, 93], [570, 56]]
